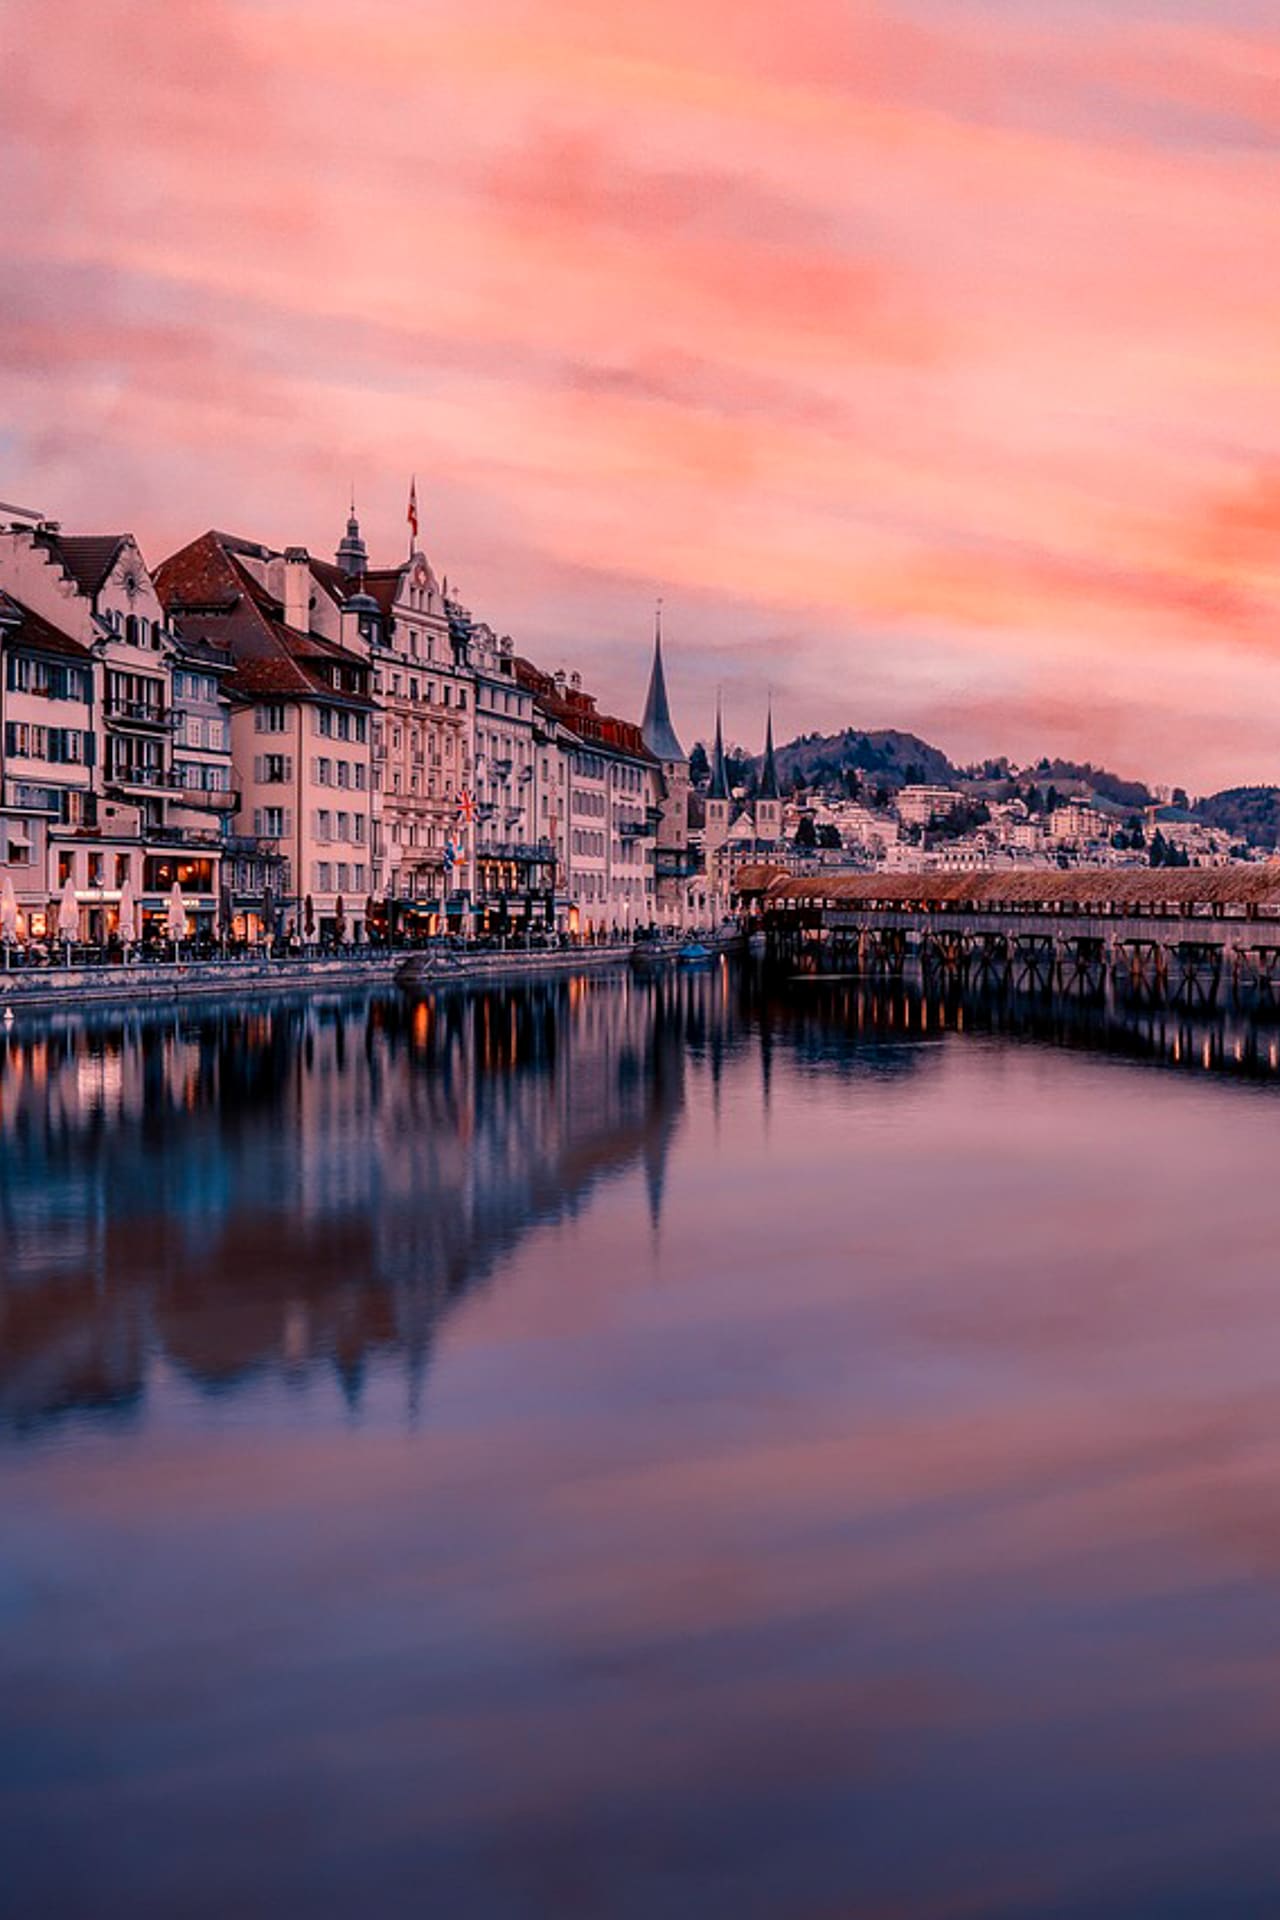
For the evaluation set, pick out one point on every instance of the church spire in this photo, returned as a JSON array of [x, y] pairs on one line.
[[768, 788], [659, 734], [352, 555], [719, 788]]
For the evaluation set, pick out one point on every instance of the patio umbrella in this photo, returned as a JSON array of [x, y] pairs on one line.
[[339, 921], [68, 916], [309, 916], [175, 920], [268, 914], [8, 915], [127, 923]]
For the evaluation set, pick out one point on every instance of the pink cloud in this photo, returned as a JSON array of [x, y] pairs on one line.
[[838, 322]]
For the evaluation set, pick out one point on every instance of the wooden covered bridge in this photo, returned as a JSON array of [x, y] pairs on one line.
[[1186, 934]]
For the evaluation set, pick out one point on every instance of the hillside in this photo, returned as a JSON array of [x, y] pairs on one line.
[[882, 754], [1252, 813]]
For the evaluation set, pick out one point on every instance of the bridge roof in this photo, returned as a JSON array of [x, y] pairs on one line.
[[1083, 887]]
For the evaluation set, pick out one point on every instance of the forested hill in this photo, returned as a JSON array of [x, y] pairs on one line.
[[1252, 813], [900, 759]]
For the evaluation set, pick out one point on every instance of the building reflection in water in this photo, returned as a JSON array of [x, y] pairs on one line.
[[292, 1185], [298, 1185]]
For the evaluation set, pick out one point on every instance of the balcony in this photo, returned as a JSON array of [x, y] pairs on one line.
[[141, 716], [140, 779], [520, 852], [208, 799], [636, 829]]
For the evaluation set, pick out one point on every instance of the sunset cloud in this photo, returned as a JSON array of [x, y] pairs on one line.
[[924, 355]]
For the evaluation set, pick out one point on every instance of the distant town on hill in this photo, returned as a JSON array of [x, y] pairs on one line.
[[873, 764]]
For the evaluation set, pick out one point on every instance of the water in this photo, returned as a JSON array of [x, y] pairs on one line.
[[632, 1449]]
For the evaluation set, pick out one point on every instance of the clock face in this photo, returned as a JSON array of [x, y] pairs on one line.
[[420, 575]]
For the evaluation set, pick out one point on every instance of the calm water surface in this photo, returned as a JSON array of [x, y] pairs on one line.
[[630, 1449]]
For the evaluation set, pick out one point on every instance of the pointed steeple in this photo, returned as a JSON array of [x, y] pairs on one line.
[[719, 788], [768, 788], [352, 555], [659, 734]]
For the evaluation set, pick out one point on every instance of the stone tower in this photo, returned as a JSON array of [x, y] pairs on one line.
[[352, 555], [672, 848], [719, 799], [768, 807]]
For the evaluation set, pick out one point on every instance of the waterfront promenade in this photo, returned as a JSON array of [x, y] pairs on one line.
[[99, 983]]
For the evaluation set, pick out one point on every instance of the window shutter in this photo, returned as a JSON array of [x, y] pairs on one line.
[[257, 822], [288, 766], [287, 814]]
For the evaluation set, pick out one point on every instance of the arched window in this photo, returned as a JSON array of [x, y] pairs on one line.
[[131, 629]]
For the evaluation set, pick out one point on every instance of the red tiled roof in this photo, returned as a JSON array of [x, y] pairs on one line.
[[214, 598], [577, 710], [37, 632], [87, 557]]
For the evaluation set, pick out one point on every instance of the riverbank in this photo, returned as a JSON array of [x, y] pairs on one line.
[[73, 987]]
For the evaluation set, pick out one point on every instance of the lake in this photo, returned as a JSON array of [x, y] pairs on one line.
[[683, 1447]]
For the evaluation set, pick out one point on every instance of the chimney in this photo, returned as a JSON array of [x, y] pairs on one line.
[[297, 589], [575, 681]]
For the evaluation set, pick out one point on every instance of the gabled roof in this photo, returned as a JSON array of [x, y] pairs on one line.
[[86, 557], [214, 598], [19, 626]]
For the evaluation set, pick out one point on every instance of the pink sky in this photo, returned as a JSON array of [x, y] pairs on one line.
[[924, 355]]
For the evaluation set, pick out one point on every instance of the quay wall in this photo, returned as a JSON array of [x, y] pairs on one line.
[[69, 988]]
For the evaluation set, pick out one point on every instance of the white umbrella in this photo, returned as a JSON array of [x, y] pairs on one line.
[[127, 924], [8, 911], [68, 916], [175, 924]]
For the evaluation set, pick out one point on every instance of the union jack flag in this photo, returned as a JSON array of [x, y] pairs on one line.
[[466, 805]]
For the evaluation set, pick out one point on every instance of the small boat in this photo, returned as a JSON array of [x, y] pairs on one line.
[[694, 954], [648, 955]]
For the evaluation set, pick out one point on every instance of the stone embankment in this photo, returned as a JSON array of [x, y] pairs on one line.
[[71, 988]]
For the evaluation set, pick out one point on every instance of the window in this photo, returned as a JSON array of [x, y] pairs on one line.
[[271, 823], [272, 718], [273, 769]]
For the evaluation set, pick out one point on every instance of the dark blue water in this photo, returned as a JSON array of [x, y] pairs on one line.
[[632, 1449]]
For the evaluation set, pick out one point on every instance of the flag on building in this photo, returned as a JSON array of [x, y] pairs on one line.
[[466, 805], [412, 515]]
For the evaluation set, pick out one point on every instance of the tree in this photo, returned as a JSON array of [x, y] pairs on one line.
[[699, 765], [1180, 798], [829, 836], [806, 832]]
